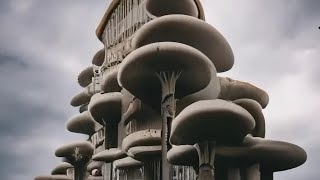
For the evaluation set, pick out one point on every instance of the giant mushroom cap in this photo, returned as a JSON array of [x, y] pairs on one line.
[[190, 31], [272, 155], [255, 109], [94, 165], [53, 177], [106, 107], [184, 155], [138, 70], [126, 162], [149, 137], [109, 82], [233, 89], [85, 76], [80, 99], [98, 58], [164, 7], [68, 150], [212, 120], [61, 168], [83, 123], [145, 153], [109, 155], [210, 92], [279, 156]]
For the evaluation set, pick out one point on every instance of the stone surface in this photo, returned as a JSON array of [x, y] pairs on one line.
[[137, 72], [233, 89], [148, 137], [98, 58], [85, 76], [109, 155], [217, 120], [83, 123], [184, 155], [94, 165], [106, 107], [61, 168], [165, 7], [212, 91], [68, 150], [109, 82], [126, 163], [80, 99], [145, 153], [271, 155], [190, 31]]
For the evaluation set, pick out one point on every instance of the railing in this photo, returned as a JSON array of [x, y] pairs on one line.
[[183, 173], [97, 140], [128, 174], [125, 20], [133, 124]]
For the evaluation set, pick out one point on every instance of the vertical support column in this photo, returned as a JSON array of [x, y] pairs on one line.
[[234, 173], [251, 172]]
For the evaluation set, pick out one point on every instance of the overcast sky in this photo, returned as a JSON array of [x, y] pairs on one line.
[[45, 44]]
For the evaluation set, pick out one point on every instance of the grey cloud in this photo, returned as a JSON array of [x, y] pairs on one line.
[[265, 35]]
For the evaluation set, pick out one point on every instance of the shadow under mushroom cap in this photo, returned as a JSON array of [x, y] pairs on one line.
[[145, 153], [255, 109], [212, 120], [185, 155], [109, 155], [165, 7], [94, 165], [271, 155], [106, 107], [85, 76], [138, 70], [98, 58], [61, 168]]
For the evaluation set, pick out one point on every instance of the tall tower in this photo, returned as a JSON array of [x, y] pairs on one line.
[[155, 108]]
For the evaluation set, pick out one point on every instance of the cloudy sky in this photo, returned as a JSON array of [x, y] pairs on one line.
[[45, 44]]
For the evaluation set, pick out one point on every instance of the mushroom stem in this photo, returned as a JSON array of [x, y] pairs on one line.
[[150, 170], [111, 130], [266, 175], [234, 173], [80, 172], [168, 108], [107, 172], [252, 172], [206, 151]]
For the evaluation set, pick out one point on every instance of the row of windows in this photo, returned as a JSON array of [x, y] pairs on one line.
[[97, 139], [126, 18]]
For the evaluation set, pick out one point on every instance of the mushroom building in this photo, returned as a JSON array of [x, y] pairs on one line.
[[154, 106]]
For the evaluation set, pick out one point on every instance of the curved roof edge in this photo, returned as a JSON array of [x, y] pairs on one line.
[[114, 3]]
